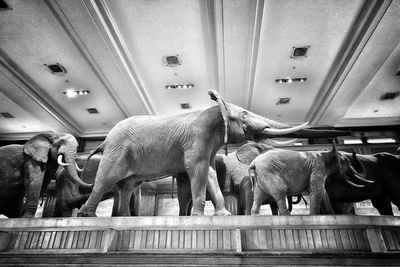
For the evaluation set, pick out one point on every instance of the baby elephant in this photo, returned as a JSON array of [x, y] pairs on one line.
[[281, 173]]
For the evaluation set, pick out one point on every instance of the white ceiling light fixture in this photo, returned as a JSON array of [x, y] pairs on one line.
[[179, 86], [291, 80], [73, 93], [381, 140], [352, 141]]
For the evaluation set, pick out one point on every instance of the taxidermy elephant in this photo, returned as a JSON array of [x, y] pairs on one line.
[[70, 195], [26, 170], [279, 173], [150, 147], [383, 169], [232, 174]]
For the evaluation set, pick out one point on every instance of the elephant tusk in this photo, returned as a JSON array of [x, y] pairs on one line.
[[60, 162], [77, 167], [364, 180], [274, 131], [353, 184], [280, 143]]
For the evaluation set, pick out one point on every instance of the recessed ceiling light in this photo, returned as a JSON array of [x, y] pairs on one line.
[[291, 80], [72, 93], [179, 86], [381, 140]]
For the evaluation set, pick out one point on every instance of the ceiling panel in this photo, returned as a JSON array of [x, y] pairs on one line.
[[115, 49], [322, 25]]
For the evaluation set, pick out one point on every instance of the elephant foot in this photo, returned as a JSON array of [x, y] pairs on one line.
[[223, 212], [86, 214]]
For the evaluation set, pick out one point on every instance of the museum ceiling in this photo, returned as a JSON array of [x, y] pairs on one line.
[[81, 66]]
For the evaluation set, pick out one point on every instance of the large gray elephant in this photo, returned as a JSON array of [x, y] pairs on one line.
[[70, 195], [149, 147], [278, 173], [383, 169], [233, 179], [26, 170]]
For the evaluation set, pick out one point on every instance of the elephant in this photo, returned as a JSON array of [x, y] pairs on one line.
[[233, 179], [278, 173], [383, 169], [149, 147], [69, 195], [26, 170]]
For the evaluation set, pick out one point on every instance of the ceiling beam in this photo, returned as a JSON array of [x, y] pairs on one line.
[[105, 22], [84, 51], [36, 93], [364, 26], [215, 39], [255, 43]]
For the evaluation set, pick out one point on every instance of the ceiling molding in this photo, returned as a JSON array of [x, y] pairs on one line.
[[212, 20], [20, 136], [357, 122], [364, 26], [73, 35], [36, 93], [254, 54], [105, 22]]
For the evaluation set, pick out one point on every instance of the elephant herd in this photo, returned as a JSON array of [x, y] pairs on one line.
[[146, 148]]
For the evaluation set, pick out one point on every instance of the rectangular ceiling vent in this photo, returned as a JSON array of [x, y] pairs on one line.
[[4, 6], [299, 51], [172, 61], [92, 110], [186, 106], [283, 100], [7, 115], [390, 95]]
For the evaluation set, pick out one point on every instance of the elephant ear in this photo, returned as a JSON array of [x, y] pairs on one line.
[[38, 147], [250, 151], [224, 111]]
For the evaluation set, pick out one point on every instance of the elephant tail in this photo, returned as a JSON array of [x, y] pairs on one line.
[[98, 149], [253, 176]]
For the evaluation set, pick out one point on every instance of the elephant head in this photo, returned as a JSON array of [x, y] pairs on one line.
[[55, 150], [341, 167]]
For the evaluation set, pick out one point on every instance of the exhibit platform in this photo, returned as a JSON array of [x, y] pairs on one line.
[[324, 240]]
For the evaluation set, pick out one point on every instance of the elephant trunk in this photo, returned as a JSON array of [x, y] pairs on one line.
[[304, 133], [253, 176], [70, 167]]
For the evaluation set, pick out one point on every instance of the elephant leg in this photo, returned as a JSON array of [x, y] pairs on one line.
[[116, 204], [109, 173], [246, 196], [126, 188], [274, 207], [317, 192], [383, 205], [34, 172], [184, 194], [134, 204], [198, 174], [259, 198], [215, 194]]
